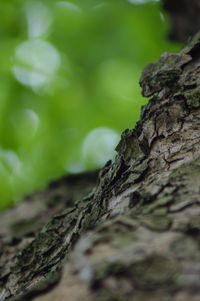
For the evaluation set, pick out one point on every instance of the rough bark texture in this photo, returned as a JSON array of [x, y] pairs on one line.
[[137, 235]]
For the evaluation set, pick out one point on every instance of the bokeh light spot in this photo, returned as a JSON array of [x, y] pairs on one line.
[[142, 1], [10, 160], [39, 19], [36, 63], [98, 146], [75, 167], [70, 6]]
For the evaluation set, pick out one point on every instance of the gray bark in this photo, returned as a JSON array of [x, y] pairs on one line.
[[136, 235]]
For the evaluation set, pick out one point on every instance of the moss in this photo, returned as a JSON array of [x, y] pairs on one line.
[[193, 98]]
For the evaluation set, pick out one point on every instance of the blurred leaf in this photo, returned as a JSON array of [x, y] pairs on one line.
[[69, 73]]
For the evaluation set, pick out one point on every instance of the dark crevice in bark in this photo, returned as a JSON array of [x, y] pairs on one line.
[[184, 17]]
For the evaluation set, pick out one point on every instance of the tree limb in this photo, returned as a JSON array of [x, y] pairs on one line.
[[136, 236]]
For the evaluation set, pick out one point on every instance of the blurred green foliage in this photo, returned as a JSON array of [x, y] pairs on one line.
[[69, 74]]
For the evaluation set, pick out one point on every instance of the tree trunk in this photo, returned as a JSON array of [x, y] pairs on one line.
[[136, 236], [184, 17]]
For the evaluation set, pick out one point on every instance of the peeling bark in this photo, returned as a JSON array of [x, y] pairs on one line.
[[136, 236]]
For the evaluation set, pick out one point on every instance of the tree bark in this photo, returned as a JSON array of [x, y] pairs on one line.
[[136, 236], [184, 16]]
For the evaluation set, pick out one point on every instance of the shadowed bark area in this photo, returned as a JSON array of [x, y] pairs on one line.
[[184, 17], [136, 236]]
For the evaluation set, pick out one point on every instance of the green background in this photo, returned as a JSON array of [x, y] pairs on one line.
[[69, 74]]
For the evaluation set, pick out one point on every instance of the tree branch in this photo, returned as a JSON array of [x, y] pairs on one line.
[[136, 236]]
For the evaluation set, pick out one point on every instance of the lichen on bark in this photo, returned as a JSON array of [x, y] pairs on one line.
[[136, 236]]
